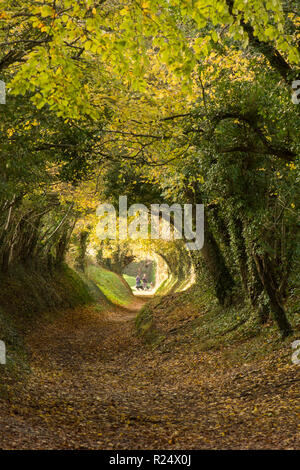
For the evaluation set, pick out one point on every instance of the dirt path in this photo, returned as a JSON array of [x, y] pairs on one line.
[[95, 385]]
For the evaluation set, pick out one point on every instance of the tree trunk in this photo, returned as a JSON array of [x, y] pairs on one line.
[[270, 286], [83, 240], [214, 259]]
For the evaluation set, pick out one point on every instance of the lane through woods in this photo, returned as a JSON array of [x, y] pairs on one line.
[[96, 385]]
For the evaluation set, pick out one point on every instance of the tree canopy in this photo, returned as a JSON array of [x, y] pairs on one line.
[[163, 101]]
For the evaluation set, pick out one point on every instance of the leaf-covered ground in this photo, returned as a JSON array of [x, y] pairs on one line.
[[96, 385]]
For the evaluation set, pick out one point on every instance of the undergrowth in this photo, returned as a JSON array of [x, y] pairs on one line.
[[29, 296], [195, 318]]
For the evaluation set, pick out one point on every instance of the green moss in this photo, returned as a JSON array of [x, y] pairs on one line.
[[167, 285], [130, 280], [113, 286]]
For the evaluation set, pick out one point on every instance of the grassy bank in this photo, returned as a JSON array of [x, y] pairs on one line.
[[113, 286], [29, 297], [130, 280], [194, 318]]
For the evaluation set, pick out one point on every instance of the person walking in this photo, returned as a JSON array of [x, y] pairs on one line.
[[138, 282]]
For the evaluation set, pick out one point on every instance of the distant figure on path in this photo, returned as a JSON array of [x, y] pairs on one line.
[[138, 282], [145, 281]]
